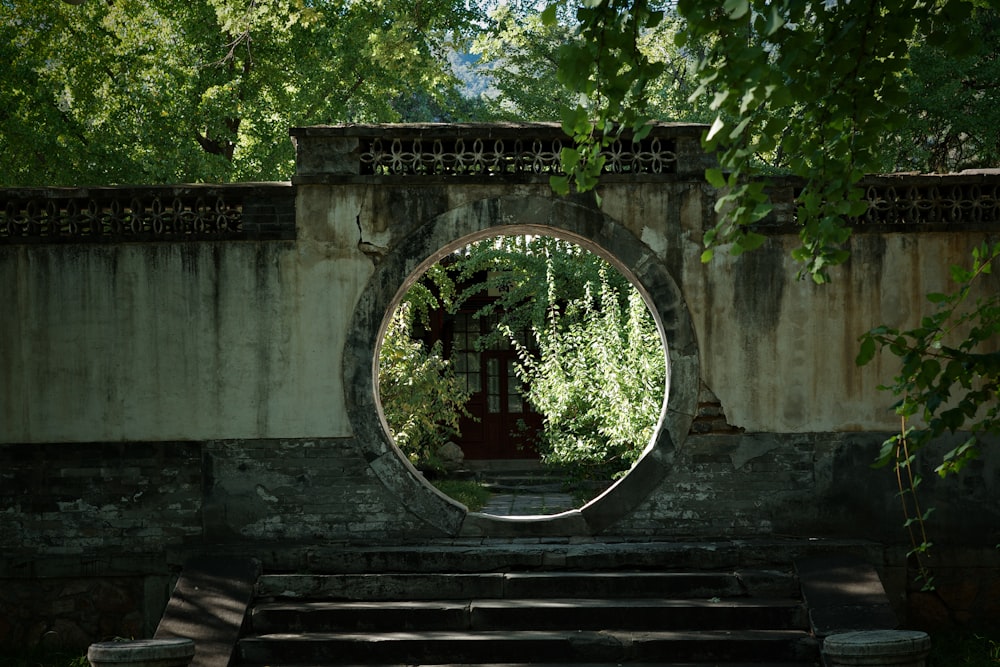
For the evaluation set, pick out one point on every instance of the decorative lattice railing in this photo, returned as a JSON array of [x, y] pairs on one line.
[[945, 202], [910, 200], [483, 157], [401, 155], [484, 151], [150, 213]]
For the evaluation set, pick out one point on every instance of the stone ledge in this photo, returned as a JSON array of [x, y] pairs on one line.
[[898, 648], [176, 652]]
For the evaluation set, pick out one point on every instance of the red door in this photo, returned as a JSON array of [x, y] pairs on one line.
[[503, 425], [509, 424]]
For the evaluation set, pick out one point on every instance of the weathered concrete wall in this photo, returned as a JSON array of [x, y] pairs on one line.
[[140, 342], [163, 399]]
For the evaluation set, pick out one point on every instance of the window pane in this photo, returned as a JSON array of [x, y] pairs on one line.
[[515, 402], [493, 385]]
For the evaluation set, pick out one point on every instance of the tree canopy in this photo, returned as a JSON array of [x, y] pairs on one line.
[[151, 91], [823, 89]]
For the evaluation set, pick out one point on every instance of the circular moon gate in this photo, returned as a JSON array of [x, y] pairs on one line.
[[411, 255]]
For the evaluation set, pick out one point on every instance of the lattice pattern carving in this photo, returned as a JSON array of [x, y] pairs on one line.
[[479, 157], [944, 203], [120, 218]]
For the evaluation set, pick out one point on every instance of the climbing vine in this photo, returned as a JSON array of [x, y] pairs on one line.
[[948, 382]]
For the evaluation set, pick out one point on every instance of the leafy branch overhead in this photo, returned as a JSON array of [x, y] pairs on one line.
[[814, 88], [610, 73]]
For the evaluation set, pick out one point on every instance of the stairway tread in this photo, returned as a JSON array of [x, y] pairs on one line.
[[639, 614], [580, 646], [499, 605], [548, 664], [531, 603], [435, 635], [584, 583]]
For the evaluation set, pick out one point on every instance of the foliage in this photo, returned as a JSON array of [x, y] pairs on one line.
[[522, 50], [966, 649], [598, 377], [948, 382], [814, 85], [519, 55], [471, 494], [153, 91], [422, 399], [595, 368], [609, 73], [953, 111], [514, 267], [598, 380], [784, 78]]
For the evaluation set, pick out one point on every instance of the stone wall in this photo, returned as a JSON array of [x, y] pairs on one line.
[[168, 392], [91, 551]]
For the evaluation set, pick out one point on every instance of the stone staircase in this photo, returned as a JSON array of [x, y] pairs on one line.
[[594, 604]]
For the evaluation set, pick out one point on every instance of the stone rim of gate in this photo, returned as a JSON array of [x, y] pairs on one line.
[[427, 243]]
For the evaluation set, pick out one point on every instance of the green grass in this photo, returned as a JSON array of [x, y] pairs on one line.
[[471, 494], [965, 649]]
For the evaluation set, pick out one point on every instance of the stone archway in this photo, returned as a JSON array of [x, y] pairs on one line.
[[431, 241]]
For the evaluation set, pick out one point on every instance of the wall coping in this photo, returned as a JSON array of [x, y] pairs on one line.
[[136, 213]]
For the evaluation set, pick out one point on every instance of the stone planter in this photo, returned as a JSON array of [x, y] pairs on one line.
[[877, 648], [142, 653]]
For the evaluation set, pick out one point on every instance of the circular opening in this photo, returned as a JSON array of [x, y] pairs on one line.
[[411, 253], [522, 374]]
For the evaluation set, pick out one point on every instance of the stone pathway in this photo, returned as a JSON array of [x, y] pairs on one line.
[[528, 503]]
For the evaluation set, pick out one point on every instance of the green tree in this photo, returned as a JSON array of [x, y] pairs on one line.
[[820, 84], [519, 56], [150, 91], [422, 399], [590, 353], [831, 90], [522, 53], [597, 373], [952, 115]]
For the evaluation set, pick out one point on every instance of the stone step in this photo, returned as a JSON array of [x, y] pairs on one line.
[[500, 585], [547, 614], [519, 646], [483, 555], [807, 663]]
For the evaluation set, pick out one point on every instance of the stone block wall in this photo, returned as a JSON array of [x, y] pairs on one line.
[[74, 499], [283, 492], [94, 534], [170, 389], [813, 485]]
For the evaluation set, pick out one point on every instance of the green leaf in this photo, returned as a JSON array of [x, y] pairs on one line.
[[549, 14], [570, 158], [717, 126], [642, 131], [715, 178], [774, 21], [559, 184], [867, 352], [736, 9]]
